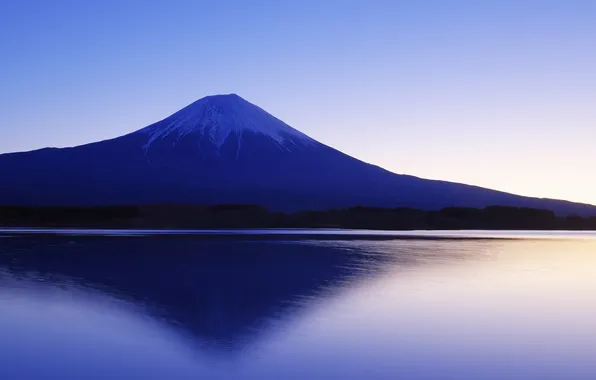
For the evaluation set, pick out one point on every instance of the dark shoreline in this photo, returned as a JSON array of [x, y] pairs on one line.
[[192, 217]]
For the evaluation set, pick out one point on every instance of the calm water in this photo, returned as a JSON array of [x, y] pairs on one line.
[[516, 306]]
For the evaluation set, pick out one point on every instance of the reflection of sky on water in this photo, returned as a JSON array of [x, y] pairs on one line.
[[266, 309]]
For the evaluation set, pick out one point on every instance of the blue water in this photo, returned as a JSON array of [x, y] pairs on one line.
[[298, 306]]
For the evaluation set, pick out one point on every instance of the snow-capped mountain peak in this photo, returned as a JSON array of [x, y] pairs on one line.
[[218, 117], [225, 150]]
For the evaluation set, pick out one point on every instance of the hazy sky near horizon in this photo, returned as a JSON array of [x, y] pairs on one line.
[[500, 93]]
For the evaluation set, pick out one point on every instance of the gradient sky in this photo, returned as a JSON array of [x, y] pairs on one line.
[[496, 93]]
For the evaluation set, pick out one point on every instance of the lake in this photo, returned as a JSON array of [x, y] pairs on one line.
[[297, 304]]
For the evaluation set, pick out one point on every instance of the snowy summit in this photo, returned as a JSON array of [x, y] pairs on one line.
[[219, 117]]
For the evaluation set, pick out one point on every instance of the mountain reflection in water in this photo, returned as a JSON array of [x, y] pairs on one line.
[[221, 291], [164, 307]]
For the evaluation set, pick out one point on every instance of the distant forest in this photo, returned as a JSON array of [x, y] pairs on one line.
[[251, 216]]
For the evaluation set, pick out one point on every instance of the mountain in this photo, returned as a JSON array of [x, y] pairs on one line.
[[223, 149]]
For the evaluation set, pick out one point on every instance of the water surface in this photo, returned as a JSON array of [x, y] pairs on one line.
[[298, 306]]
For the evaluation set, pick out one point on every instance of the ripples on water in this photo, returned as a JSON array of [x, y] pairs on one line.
[[74, 307]]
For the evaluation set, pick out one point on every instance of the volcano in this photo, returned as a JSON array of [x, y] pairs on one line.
[[224, 150]]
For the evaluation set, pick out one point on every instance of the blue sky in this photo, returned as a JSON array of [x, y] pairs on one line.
[[500, 94]]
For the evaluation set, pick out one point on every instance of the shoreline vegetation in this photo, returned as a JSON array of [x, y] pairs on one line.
[[252, 216]]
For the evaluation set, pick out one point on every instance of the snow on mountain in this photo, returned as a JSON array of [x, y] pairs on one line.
[[219, 117]]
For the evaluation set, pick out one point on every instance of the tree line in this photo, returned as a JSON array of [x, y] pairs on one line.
[[253, 216]]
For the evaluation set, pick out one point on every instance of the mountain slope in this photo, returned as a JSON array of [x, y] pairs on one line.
[[223, 149]]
